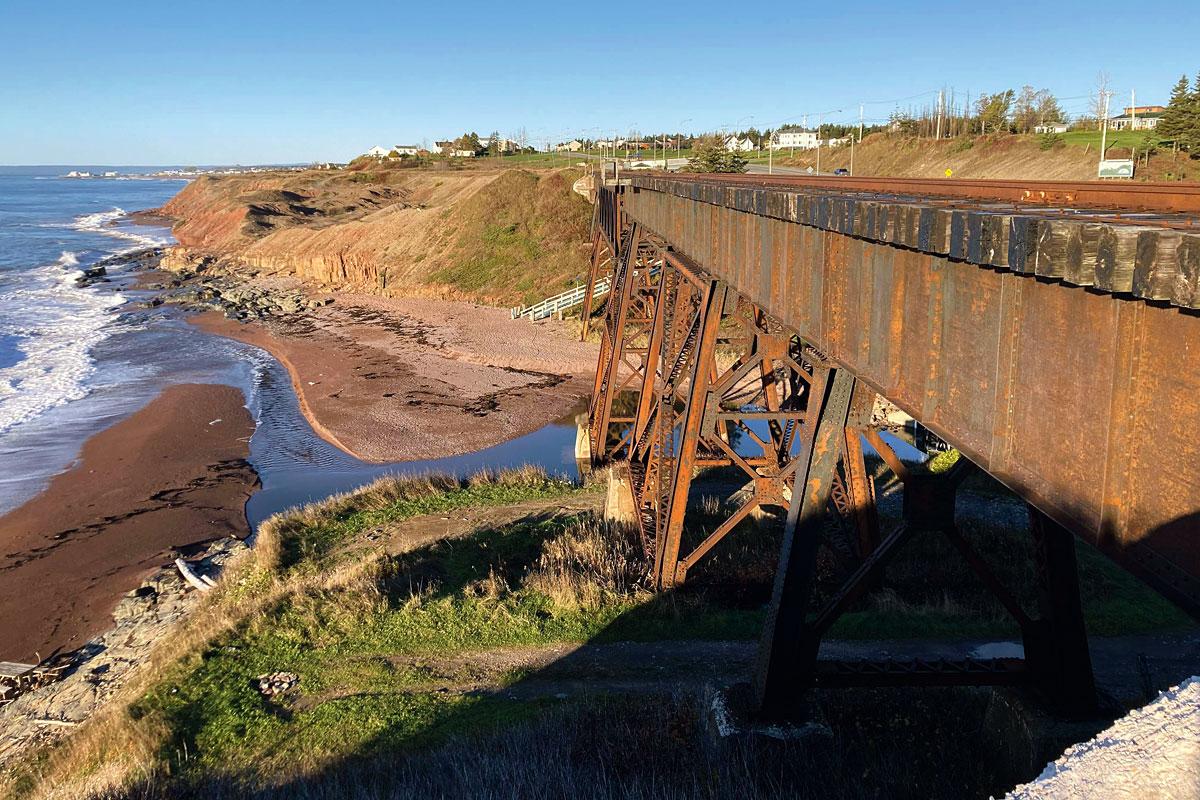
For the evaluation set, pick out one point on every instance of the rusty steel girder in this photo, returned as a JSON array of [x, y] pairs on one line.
[[708, 366], [629, 314], [1059, 353]]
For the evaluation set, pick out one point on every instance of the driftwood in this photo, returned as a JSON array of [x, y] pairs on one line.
[[201, 583]]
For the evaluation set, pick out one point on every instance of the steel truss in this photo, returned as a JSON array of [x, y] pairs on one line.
[[686, 367]]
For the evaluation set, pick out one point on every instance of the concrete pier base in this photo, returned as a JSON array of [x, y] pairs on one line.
[[618, 503]]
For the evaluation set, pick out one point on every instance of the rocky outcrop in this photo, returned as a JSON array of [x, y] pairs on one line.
[[97, 670]]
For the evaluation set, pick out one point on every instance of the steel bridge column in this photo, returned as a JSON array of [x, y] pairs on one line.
[[612, 347], [787, 652], [1056, 645], [667, 550]]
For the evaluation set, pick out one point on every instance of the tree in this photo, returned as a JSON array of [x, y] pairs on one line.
[[468, 141], [902, 122], [1099, 100], [1049, 111], [495, 144], [711, 155], [1025, 110], [993, 111], [1176, 120]]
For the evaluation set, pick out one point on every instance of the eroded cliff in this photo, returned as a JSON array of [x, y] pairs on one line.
[[494, 236]]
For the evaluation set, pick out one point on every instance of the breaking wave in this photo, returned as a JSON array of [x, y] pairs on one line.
[[55, 323], [109, 224]]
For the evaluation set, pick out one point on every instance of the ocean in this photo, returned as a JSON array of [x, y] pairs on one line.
[[76, 359]]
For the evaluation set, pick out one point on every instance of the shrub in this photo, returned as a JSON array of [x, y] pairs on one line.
[[1050, 141]]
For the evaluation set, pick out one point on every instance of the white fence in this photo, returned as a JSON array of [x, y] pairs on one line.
[[560, 302]]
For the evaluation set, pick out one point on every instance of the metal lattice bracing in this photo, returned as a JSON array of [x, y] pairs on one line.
[[712, 357], [628, 318]]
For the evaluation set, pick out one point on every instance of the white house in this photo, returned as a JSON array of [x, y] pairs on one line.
[[801, 140], [377, 152], [1050, 127], [1140, 118], [736, 145], [573, 146], [406, 149]]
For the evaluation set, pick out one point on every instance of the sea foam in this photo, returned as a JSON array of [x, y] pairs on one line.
[[56, 324], [102, 222]]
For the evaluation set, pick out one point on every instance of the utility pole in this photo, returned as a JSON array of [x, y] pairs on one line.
[[1132, 109], [820, 122], [851, 156], [939, 115], [1104, 124], [860, 121], [771, 155]]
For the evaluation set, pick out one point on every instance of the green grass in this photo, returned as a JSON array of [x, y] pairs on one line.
[[374, 655], [389, 647], [350, 646], [1124, 139], [519, 238], [308, 543]]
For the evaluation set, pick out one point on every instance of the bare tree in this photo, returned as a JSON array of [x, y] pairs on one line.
[[1025, 109], [1098, 105]]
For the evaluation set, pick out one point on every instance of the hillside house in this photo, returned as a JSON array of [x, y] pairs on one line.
[[1139, 118], [800, 140], [377, 152], [735, 145], [406, 149], [573, 146]]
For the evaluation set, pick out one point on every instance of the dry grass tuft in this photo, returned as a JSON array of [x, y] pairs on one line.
[[590, 561]]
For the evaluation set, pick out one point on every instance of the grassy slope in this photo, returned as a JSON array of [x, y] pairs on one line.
[[520, 235], [376, 638], [1074, 157]]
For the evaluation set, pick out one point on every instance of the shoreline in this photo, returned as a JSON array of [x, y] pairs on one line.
[[166, 479], [389, 380]]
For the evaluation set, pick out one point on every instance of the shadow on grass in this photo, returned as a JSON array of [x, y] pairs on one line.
[[447, 676]]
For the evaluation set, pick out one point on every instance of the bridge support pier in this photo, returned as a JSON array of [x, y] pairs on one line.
[[1057, 664], [1056, 647], [788, 653]]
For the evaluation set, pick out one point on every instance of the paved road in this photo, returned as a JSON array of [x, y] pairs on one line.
[[761, 169]]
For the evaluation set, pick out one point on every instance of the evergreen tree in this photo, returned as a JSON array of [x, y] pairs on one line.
[[1190, 137], [712, 156], [1174, 120]]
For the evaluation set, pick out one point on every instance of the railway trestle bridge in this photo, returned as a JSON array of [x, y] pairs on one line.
[[1048, 331]]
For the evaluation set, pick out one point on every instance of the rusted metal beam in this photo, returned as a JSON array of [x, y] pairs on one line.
[[1154, 256], [1166, 197], [788, 653], [1082, 401]]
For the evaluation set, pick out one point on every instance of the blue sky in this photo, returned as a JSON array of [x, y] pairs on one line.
[[267, 82]]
